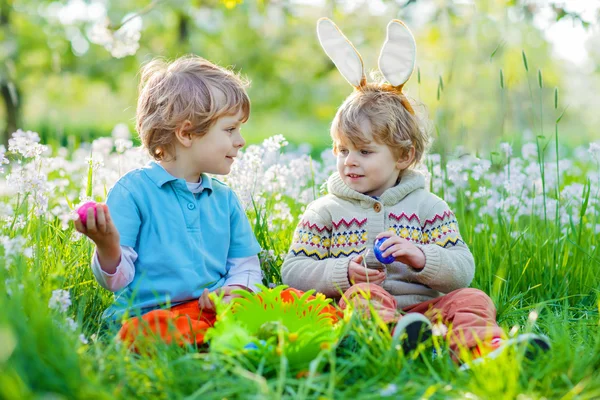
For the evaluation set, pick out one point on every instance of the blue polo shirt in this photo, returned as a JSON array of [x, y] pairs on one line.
[[182, 239]]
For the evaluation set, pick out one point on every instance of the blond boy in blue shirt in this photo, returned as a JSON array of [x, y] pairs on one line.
[[169, 234]]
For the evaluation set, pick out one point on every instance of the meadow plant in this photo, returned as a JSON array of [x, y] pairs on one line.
[[534, 236]]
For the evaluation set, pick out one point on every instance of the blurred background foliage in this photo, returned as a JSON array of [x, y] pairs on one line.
[[58, 80]]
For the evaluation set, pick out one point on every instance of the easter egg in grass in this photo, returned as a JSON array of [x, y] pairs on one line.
[[379, 254], [82, 210]]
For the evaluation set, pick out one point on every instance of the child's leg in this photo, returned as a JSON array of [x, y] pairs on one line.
[[183, 324], [469, 313], [363, 296], [186, 324]]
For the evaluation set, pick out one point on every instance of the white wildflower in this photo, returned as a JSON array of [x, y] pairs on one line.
[[83, 339], [28, 252], [529, 151], [26, 144], [120, 43], [102, 147], [274, 143], [121, 145], [71, 324], [456, 173], [434, 158], [506, 149], [30, 179], [95, 162], [480, 169], [60, 300], [439, 329], [267, 255], [9, 285], [483, 193], [19, 222], [121, 131], [3, 159], [389, 390], [594, 150], [13, 247]]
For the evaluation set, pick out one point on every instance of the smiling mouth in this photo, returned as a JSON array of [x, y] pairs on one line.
[[354, 176]]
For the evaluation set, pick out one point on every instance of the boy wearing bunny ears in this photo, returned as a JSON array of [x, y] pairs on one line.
[[376, 194]]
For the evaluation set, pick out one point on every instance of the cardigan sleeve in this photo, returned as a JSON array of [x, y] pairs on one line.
[[308, 264], [449, 264]]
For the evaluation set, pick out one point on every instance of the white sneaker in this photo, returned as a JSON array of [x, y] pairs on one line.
[[411, 329], [533, 344]]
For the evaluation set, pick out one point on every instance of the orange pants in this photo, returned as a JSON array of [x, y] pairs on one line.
[[469, 314], [185, 323]]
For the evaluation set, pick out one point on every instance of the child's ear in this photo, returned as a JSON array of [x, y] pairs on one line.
[[183, 133], [406, 159]]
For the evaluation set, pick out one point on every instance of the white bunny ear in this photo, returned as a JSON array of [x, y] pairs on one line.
[[398, 54], [341, 51]]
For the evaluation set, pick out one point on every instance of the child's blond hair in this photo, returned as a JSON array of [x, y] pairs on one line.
[[190, 88], [390, 118]]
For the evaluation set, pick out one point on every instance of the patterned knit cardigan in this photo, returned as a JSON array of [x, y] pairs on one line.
[[339, 226]]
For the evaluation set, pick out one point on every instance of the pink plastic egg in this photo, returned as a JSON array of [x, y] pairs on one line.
[[82, 211]]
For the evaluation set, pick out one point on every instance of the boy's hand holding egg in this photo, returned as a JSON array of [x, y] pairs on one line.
[[82, 211], [390, 247], [379, 253], [94, 221]]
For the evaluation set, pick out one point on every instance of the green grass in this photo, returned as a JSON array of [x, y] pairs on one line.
[[543, 269], [544, 276]]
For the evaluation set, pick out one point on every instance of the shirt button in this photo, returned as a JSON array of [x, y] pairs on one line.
[[191, 206], [377, 207]]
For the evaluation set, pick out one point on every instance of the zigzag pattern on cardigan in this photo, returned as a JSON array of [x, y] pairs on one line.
[[297, 250], [320, 242], [441, 229], [348, 224], [312, 240]]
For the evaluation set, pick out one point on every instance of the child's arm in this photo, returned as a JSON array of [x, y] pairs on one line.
[[123, 275], [448, 262], [112, 232], [103, 232], [309, 264], [244, 272]]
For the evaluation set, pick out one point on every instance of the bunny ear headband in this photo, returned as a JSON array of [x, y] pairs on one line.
[[396, 61]]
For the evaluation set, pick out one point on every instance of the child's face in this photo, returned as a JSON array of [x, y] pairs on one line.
[[370, 169], [214, 152]]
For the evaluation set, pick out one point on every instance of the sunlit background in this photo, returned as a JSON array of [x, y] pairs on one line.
[[68, 69], [507, 84]]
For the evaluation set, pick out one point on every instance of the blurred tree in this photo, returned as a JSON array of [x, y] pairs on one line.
[[65, 51], [42, 38]]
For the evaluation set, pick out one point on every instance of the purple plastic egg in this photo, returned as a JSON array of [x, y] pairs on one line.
[[82, 211], [379, 254]]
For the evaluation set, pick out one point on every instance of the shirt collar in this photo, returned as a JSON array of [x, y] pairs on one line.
[[160, 176]]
